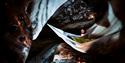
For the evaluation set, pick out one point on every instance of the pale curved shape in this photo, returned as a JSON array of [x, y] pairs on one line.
[[83, 47], [41, 12]]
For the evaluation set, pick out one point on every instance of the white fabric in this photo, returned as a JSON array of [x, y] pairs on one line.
[[64, 36], [41, 12], [115, 25]]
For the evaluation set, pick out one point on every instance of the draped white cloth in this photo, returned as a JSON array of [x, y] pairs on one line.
[[115, 26], [41, 12], [44, 9]]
